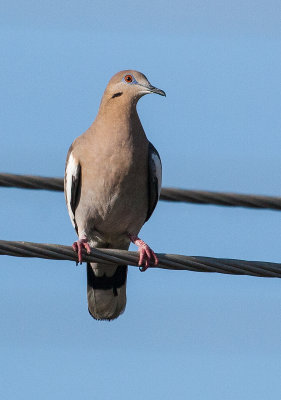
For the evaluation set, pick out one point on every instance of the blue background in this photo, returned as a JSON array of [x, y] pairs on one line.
[[184, 334]]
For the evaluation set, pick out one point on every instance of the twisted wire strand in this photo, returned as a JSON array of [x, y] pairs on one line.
[[167, 194], [121, 257]]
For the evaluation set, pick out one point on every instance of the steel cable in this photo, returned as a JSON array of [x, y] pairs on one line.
[[167, 194], [166, 261]]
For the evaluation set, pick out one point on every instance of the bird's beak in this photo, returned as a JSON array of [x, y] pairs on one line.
[[154, 89]]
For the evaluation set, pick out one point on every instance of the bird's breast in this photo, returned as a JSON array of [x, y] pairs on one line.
[[114, 193]]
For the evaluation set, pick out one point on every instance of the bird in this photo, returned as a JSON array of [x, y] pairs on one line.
[[112, 184]]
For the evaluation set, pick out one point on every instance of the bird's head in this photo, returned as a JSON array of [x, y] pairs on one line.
[[130, 84]]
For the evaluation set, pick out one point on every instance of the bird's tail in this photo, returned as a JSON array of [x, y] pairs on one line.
[[106, 290]]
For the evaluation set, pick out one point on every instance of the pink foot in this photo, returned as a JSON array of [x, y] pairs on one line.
[[147, 255], [78, 246]]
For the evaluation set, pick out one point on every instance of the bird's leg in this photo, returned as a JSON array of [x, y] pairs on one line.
[[79, 245], [147, 255]]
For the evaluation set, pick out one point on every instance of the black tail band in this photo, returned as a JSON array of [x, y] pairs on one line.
[[107, 282]]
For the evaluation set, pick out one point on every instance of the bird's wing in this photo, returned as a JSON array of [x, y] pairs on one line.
[[154, 179], [72, 185]]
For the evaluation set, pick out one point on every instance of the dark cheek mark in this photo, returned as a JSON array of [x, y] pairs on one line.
[[117, 95]]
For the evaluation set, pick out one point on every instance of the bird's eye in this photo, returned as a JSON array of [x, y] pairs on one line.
[[128, 78]]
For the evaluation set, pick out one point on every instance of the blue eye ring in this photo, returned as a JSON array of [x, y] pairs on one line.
[[129, 79]]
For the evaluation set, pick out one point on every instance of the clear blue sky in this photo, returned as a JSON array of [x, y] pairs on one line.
[[183, 335]]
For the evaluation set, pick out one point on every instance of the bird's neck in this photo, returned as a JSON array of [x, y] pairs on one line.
[[117, 106], [119, 113]]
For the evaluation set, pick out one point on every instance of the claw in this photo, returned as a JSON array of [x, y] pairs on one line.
[[147, 255], [78, 246]]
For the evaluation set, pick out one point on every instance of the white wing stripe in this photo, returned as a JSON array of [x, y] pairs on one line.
[[158, 171], [71, 171]]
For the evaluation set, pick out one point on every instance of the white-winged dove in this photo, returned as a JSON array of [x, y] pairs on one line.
[[112, 185]]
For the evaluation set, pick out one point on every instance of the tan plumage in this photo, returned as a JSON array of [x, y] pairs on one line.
[[109, 186]]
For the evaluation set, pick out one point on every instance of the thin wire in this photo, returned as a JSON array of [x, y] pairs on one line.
[[167, 194], [121, 257]]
